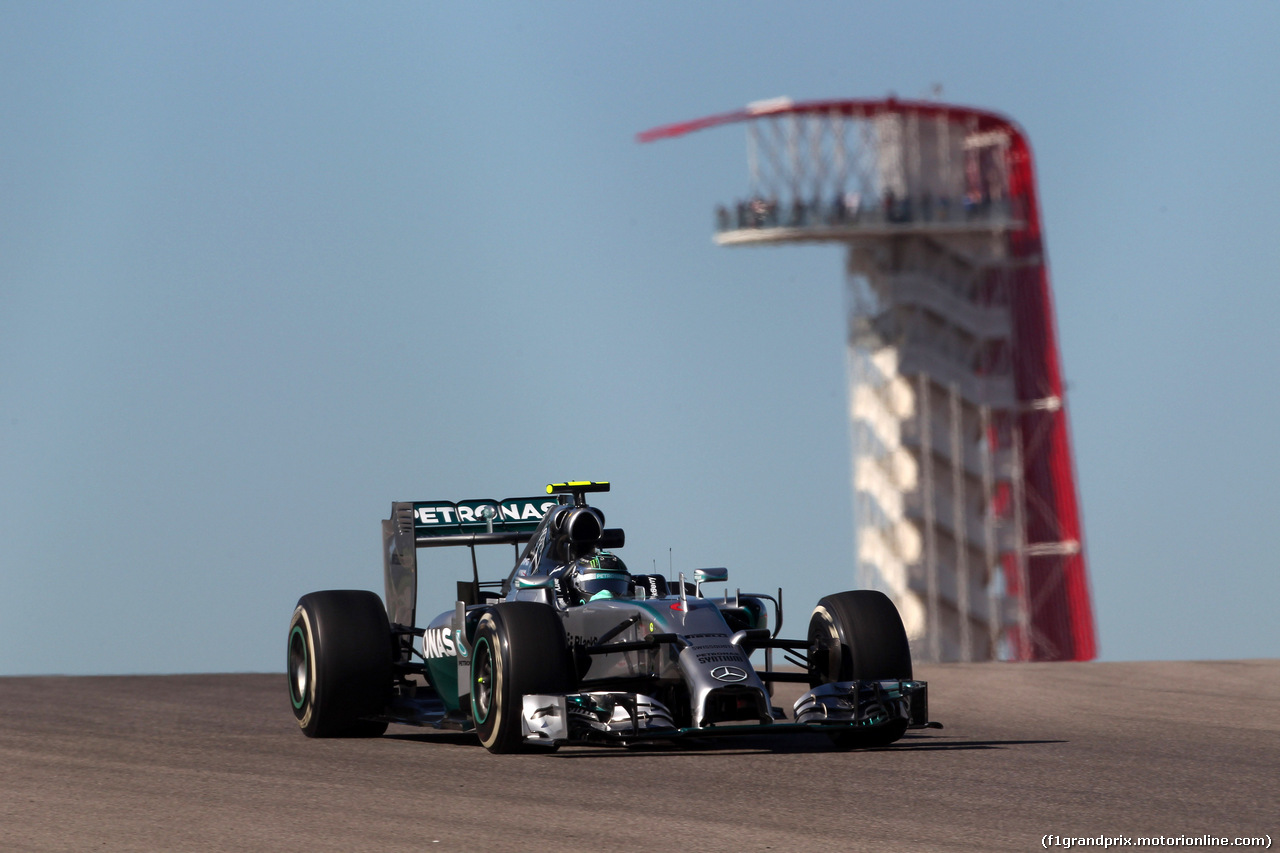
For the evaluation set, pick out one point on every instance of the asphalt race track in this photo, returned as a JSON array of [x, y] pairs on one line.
[[215, 762]]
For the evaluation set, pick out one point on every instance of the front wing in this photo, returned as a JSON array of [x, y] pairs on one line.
[[630, 717]]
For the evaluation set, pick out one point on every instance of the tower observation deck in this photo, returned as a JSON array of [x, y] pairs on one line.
[[965, 507]]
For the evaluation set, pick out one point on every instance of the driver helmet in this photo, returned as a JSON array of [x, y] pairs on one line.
[[602, 575]]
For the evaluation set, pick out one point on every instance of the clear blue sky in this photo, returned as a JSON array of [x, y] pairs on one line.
[[265, 268]]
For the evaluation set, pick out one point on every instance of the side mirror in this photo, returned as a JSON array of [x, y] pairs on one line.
[[718, 575], [536, 582]]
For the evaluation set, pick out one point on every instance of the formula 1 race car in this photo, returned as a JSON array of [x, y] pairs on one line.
[[572, 648]]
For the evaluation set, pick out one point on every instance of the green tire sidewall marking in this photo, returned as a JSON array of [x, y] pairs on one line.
[[298, 701], [475, 668]]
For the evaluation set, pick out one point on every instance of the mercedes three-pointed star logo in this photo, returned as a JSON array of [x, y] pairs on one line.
[[729, 673]]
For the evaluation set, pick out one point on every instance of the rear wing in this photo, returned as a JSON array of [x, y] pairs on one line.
[[436, 524]]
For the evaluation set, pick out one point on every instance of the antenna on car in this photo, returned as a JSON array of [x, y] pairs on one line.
[[577, 488]]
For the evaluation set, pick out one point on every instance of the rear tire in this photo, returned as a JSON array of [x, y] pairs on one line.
[[339, 663], [858, 636], [519, 648]]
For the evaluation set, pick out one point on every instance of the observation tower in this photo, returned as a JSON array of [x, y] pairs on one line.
[[965, 507]]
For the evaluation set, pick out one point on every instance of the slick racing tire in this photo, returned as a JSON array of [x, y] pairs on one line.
[[519, 648], [858, 636], [339, 663]]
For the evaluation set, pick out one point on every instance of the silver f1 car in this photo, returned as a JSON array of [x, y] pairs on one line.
[[572, 648]]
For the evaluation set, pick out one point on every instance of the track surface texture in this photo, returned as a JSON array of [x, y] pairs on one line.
[[216, 762]]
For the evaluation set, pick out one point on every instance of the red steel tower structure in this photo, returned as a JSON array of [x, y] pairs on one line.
[[966, 511]]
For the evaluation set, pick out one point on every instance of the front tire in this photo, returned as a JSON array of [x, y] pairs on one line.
[[339, 663], [858, 636], [519, 648]]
